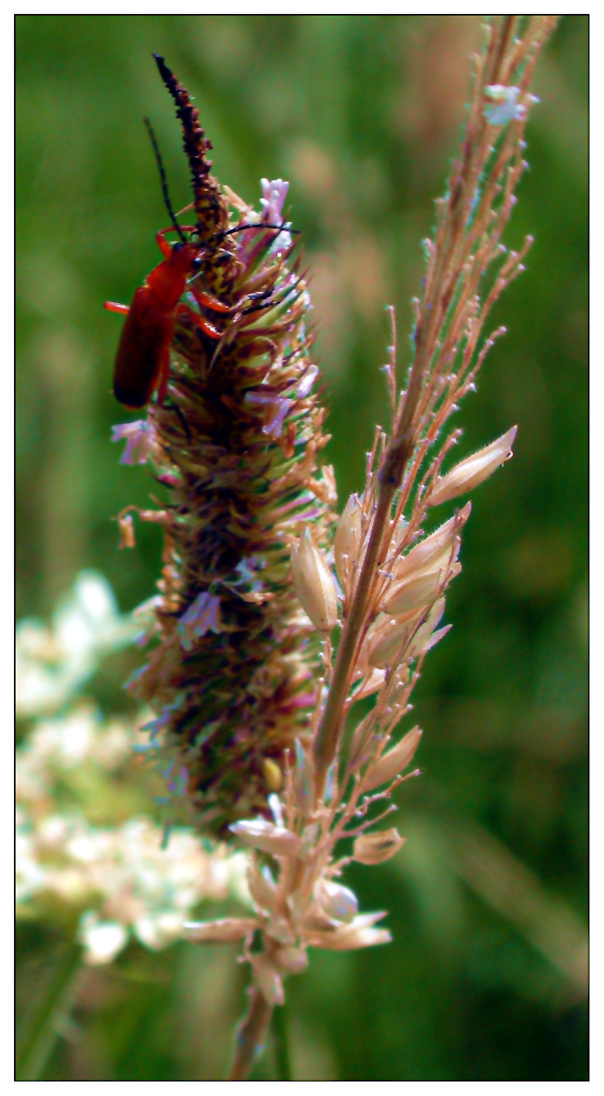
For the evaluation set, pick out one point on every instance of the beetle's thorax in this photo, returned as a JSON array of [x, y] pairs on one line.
[[167, 282]]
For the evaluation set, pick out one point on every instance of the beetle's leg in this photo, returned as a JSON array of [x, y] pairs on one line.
[[205, 325], [114, 307], [163, 245], [205, 301]]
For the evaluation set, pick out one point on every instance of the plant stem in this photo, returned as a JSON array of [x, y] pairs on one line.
[[251, 1036], [328, 734], [390, 476], [39, 1037]]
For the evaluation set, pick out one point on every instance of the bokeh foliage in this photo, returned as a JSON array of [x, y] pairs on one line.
[[361, 114]]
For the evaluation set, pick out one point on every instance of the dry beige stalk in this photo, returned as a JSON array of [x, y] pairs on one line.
[[393, 577]]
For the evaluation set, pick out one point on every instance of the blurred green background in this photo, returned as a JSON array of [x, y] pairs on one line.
[[488, 901]]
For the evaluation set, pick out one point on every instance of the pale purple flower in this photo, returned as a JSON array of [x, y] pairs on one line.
[[304, 508], [273, 196], [177, 784], [277, 407], [307, 381], [138, 440], [167, 714], [246, 570], [203, 615]]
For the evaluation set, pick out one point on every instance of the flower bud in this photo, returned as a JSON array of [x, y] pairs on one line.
[[291, 960], [436, 551], [126, 527], [414, 594], [375, 848], [473, 470], [426, 637], [219, 932], [264, 835], [371, 684], [358, 934], [385, 644], [262, 889], [360, 740], [279, 928], [272, 774], [393, 762], [424, 642], [313, 583], [336, 901], [347, 541]]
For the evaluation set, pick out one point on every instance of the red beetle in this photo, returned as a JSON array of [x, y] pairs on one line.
[[142, 364]]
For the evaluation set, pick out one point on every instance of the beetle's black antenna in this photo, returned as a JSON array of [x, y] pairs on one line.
[[259, 224], [164, 183]]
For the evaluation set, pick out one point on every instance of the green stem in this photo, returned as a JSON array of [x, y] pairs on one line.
[[39, 1036], [281, 1043]]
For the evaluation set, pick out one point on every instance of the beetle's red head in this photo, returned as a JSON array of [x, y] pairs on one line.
[[185, 258]]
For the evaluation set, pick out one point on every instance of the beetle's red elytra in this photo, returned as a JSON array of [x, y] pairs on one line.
[[142, 364]]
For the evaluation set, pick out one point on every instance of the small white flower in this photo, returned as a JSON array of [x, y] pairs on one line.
[[102, 940], [506, 107]]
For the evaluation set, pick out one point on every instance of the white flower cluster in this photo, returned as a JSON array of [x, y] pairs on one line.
[[52, 663], [121, 879], [88, 858], [118, 879]]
